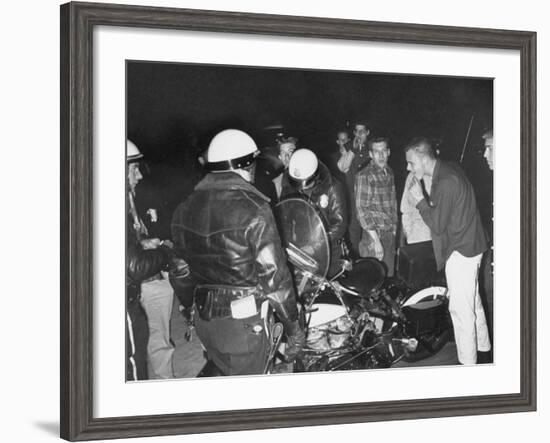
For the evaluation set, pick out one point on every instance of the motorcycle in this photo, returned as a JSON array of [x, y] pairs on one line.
[[358, 318]]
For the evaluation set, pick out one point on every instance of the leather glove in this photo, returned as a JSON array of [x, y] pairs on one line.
[[296, 339]]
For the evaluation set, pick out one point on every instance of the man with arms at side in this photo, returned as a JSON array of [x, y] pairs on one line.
[[359, 159], [459, 242], [376, 205]]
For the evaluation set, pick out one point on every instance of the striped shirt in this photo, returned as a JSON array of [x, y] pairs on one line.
[[375, 198]]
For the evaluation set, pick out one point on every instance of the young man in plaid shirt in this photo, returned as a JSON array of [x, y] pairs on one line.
[[376, 205]]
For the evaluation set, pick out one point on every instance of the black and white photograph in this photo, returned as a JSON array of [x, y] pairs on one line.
[[287, 217], [238, 221], [284, 220]]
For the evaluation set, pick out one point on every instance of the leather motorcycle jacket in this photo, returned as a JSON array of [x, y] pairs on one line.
[[226, 232], [328, 197], [142, 264]]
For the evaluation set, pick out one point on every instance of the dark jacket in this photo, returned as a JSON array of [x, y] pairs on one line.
[[142, 264], [329, 198], [452, 216], [226, 232], [268, 167]]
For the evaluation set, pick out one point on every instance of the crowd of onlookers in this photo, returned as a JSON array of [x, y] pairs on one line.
[[226, 263]]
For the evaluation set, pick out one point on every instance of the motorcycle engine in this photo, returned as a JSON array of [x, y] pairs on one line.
[[331, 335]]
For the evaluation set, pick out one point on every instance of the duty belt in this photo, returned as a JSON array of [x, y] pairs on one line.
[[221, 301]]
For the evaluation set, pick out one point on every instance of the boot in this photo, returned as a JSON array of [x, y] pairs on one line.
[[484, 357]]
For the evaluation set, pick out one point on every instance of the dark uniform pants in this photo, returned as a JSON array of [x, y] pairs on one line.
[[137, 336], [235, 346]]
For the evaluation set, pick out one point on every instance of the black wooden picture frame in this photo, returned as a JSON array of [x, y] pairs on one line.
[[77, 23]]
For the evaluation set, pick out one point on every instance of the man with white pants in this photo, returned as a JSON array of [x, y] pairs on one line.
[[459, 242], [157, 298], [471, 332]]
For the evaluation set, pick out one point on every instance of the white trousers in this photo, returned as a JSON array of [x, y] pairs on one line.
[[469, 322], [157, 297]]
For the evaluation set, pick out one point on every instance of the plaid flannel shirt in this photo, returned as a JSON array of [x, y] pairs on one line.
[[375, 198]]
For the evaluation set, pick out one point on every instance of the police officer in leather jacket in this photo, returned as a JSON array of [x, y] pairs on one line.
[[226, 232], [312, 179]]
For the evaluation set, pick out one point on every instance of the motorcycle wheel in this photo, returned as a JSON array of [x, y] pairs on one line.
[[430, 293]]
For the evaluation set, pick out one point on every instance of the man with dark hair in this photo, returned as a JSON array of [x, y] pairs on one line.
[[344, 155], [270, 167], [376, 205], [356, 159], [286, 146], [361, 132], [459, 242]]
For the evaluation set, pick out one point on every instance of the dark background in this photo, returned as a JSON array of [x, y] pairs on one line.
[[173, 110]]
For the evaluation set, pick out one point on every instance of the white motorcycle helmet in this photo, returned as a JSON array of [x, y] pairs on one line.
[[303, 167], [133, 154], [232, 150]]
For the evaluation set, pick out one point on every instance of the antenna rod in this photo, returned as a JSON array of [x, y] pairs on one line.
[[466, 139]]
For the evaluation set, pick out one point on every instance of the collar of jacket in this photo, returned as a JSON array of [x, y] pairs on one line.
[[324, 175], [322, 182], [436, 171], [228, 181]]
